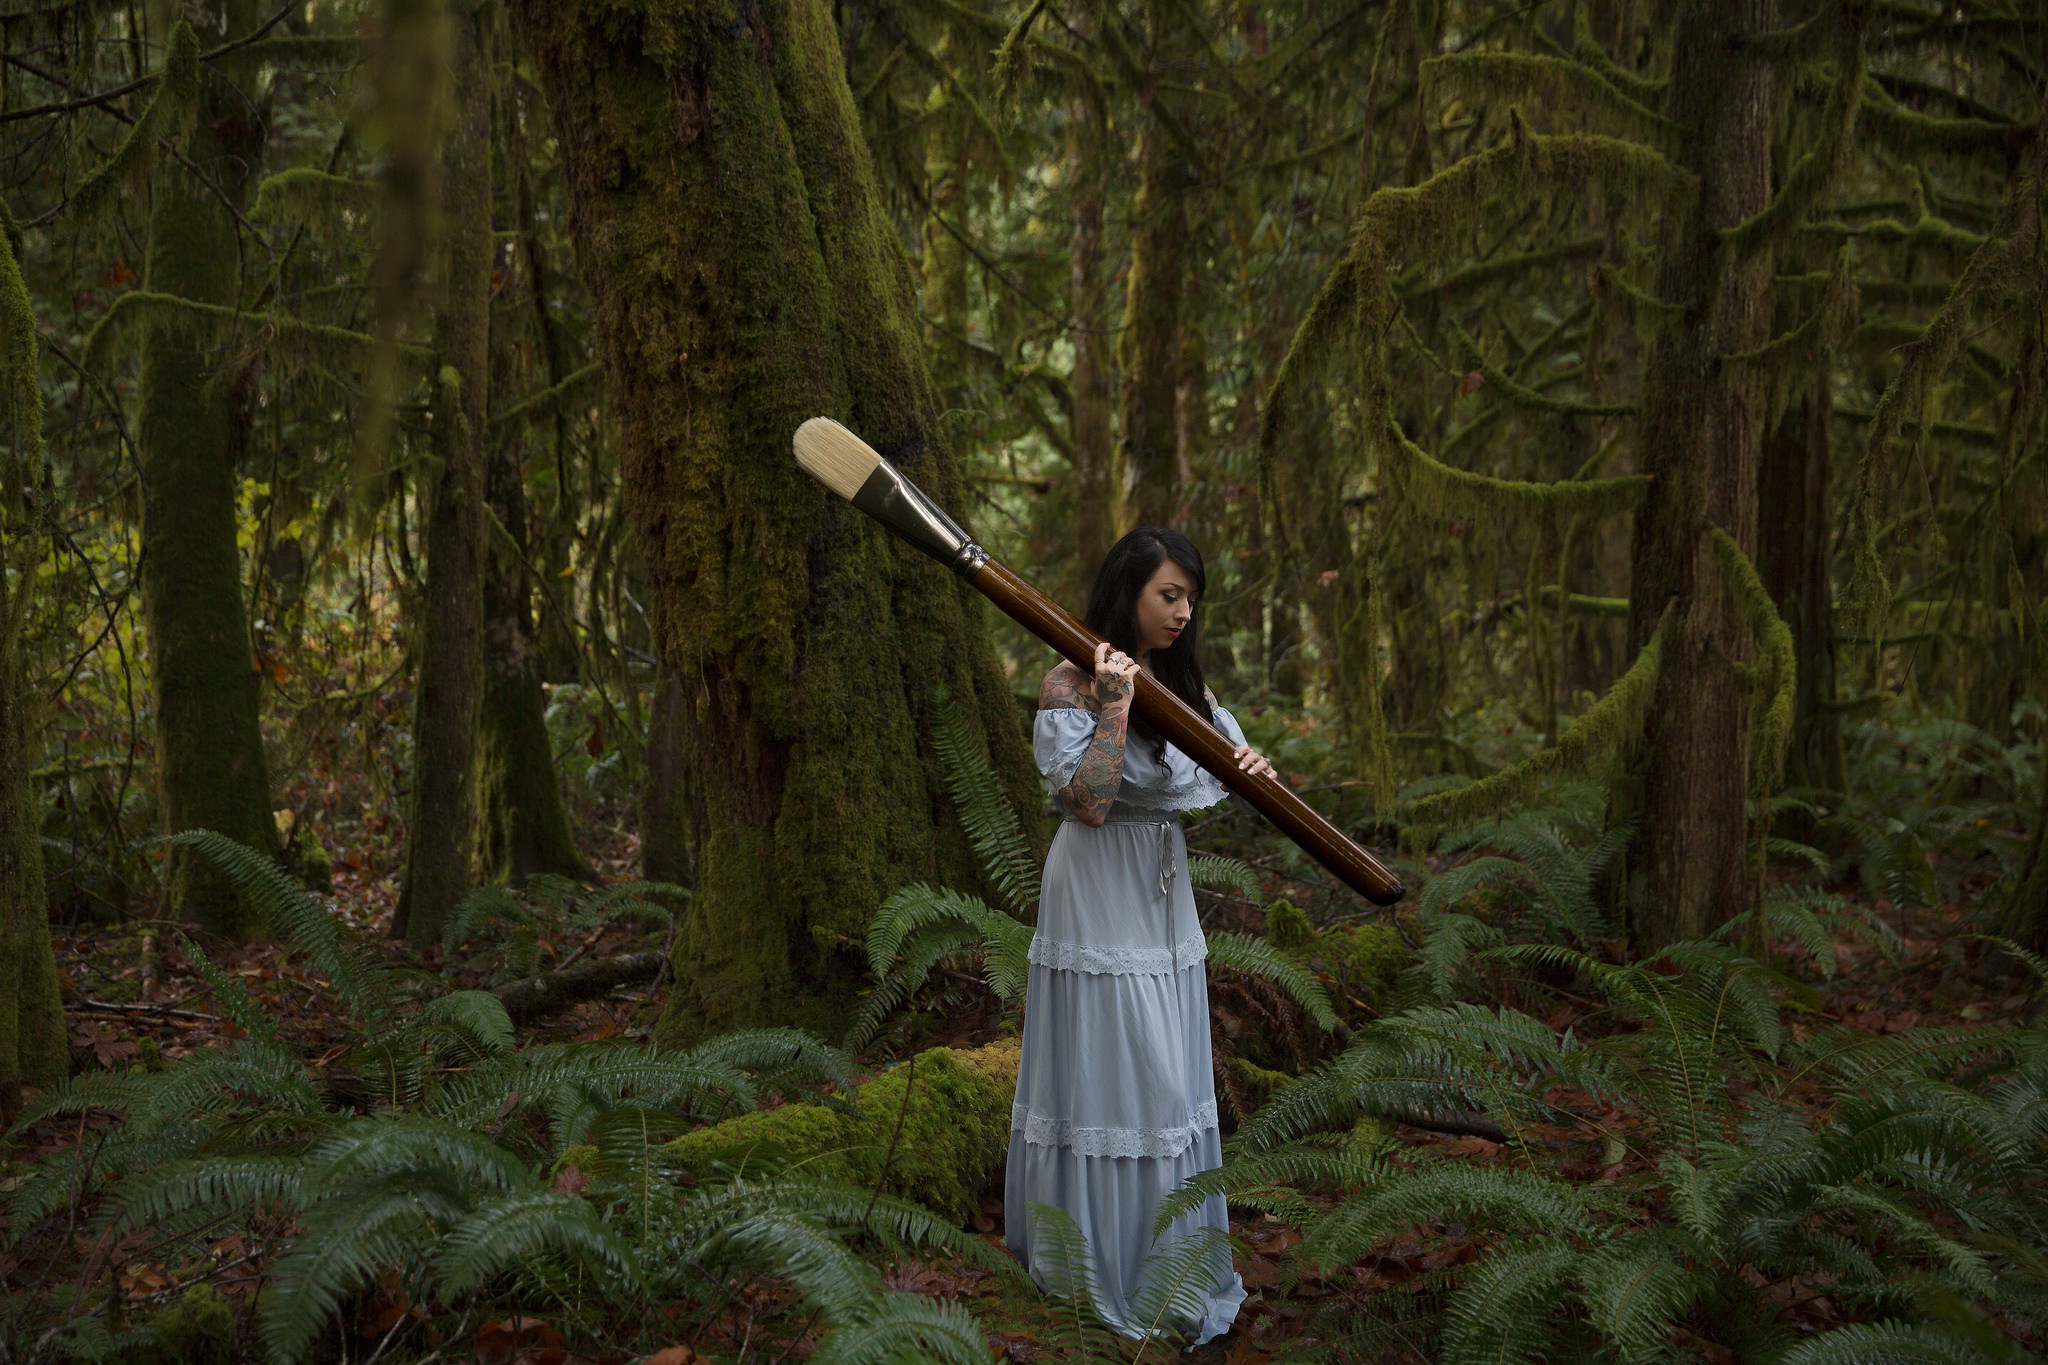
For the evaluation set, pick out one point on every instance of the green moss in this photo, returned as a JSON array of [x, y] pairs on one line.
[[805, 642], [1259, 1083], [199, 1329], [1289, 928], [954, 1139], [1362, 958], [1598, 734]]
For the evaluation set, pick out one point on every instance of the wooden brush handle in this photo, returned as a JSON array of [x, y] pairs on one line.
[[1195, 735]]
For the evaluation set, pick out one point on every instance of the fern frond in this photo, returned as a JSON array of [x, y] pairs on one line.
[[1505, 1311], [359, 978], [1887, 1343], [1224, 874], [341, 1246], [1256, 957], [482, 905], [893, 1327], [469, 1024], [230, 996], [505, 1232], [215, 1183], [984, 812], [1177, 1282]]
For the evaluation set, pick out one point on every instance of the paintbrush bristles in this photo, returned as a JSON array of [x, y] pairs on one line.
[[835, 456]]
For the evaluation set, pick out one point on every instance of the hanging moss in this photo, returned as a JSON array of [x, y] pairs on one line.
[[177, 87], [140, 311], [1821, 162], [1458, 494], [308, 197], [1788, 360], [1557, 85], [1775, 679], [1595, 737], [1423, 223], [954, 1114]]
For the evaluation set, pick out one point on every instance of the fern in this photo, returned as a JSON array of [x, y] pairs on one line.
[[1063, 1265], [984, 812], [359, 978], [1256, 957]]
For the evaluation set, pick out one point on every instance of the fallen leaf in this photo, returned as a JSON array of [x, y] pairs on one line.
[[673, 1355]]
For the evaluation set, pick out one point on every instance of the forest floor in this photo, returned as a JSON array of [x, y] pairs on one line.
[[130, 1000]]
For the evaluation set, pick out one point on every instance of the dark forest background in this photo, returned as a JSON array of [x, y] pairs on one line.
[[494, 861]]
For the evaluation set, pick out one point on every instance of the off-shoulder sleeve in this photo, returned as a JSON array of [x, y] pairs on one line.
[[1059, 738], [1229, 725]]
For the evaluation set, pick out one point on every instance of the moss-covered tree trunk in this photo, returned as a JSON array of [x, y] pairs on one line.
[[441, 827], [664, 840], [189, 433], [1702, 428], [1793, 542], [32, 1043], [522, 827], [747, 278], [1096, 482], [1149, 345]]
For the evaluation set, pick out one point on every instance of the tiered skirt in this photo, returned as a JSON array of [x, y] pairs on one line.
[[1116, 1101]]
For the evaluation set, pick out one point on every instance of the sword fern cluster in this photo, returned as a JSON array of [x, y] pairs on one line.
[[438, 1159], [1659, 1180]]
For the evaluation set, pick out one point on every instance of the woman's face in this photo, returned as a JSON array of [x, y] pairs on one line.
[[1165, 607]]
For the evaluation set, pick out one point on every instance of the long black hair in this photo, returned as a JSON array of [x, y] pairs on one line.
[[1113, 612]]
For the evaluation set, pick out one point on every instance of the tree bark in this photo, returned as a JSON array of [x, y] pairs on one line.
[[1149, 347], [441, 829], [1096, 478], [33, 1050], [32, 1040], [189, 434], [664, 838], [1702, 426], [1793, 563], [747, 278], [522, 827]]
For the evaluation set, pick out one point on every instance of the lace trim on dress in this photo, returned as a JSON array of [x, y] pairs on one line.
[[1043, 1130], [1062, 956]]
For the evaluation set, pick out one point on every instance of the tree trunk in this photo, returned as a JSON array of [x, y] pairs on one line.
[[33, 1050], [747, 278], [441, 829], [32, 1042], [1095, 456], [1149, 348], [1701, 432], [1792, 496], [189, 432], [664, 839], [522, 827]]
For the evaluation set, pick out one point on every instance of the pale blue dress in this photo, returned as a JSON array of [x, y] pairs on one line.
[[1116, 1102]]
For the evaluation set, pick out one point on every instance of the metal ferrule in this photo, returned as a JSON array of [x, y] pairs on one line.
[[898, 504]]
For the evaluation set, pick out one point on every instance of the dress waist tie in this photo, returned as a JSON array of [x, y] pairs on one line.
[[1163, 821]]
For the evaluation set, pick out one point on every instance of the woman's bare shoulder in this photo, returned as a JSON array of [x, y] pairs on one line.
[[1066, 686]]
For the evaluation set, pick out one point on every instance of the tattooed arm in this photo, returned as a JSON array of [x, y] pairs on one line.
[[1094, 784]]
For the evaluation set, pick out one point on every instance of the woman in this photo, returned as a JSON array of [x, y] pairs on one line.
[[1115, 1100]]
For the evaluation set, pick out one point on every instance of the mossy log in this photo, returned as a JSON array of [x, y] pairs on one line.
[[954, 1112]]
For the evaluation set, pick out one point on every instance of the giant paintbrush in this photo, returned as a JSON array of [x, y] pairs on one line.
[[851, 468]]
